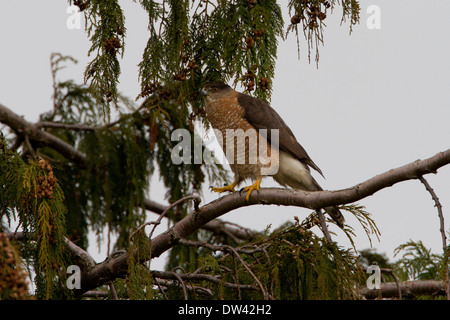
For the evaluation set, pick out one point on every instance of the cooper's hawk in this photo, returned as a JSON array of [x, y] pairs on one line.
[[235, 115]]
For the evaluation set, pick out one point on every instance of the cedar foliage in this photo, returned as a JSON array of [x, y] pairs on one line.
[[31, 193], [419, 263]]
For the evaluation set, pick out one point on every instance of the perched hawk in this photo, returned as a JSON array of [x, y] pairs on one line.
[[235, 116]]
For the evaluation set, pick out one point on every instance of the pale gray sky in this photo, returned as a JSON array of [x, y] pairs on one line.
[[379, 100]]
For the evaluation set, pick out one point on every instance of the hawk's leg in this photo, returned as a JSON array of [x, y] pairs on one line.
[[226, 188], [254, 186]]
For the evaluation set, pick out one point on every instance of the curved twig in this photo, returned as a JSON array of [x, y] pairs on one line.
[[216, 226], [233, 250], [182, 285], [196, 198], [439, 209], [113, 291], [441, 229], [202, 277]]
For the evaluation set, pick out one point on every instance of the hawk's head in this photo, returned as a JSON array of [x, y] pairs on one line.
[[215, 90]]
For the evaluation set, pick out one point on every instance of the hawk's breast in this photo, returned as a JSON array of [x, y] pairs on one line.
[[248, 153]]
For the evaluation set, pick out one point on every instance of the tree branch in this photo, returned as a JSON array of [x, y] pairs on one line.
[[440, 213], [216, 226], [81, 257], [77, 127], [201, 277], [442, 229], [22, 126], [103, 273], [415, 288]]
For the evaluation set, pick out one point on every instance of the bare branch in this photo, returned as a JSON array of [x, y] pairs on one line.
[[154, 206], [216, 226], [81, 257], [442, 229], [76, 127], [201, 277], [244, 249], [391, 272], [196, 289], [183, 285], [415, 288], [440, 213], [265, 294], [22, 126], [196, 199], [158, 283], [113, 291]]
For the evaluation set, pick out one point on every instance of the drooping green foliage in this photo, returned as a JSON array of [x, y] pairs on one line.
[[365, 220], [189, 46], [139, 283], [311, 15], [191, 43], [290, 263], [109, 187], [419, 263], [106, 29], [116, 177], [31, 193]]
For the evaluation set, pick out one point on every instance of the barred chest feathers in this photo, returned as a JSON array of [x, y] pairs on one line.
[[240, 141]]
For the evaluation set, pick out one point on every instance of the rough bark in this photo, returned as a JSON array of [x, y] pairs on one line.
[[35, 134], [414, 288]]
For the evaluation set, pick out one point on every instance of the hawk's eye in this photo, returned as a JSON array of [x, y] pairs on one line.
[[214, 89]]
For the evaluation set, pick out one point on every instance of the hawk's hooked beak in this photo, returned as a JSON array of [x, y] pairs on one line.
[[203, 92]]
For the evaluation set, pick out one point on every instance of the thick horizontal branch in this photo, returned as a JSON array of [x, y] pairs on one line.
[[415, 288], [103, 273], [76, 127], [201, 277], [34, 133], [81, 257], [216, 226]]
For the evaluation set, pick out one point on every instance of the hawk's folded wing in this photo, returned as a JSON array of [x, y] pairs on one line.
[[262, 116]]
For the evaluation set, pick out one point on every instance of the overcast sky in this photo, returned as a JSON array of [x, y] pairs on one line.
[[378, 100]]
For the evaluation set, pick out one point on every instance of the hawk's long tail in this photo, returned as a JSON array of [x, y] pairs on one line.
[[336, 215], [295, 174], [333, 211]]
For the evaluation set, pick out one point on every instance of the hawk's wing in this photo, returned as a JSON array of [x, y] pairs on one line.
[[262, 116]]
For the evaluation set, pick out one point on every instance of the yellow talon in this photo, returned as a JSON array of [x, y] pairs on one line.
[[226, 188], [254, 186]]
